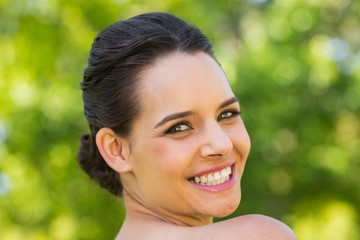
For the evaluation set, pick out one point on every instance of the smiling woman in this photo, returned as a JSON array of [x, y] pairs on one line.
[[166, 133]]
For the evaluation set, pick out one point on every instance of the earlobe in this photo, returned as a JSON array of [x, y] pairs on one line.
[[114, 150]]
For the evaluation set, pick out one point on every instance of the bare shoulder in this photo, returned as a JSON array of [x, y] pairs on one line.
[[249, 227]]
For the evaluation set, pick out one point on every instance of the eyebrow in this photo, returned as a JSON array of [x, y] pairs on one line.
[[173, 117], [229, 102], [188, 113]]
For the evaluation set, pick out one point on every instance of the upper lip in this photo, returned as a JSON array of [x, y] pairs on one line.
[[213, 169]]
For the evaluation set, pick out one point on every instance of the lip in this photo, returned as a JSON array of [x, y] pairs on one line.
[[215, 169], [220, 187]]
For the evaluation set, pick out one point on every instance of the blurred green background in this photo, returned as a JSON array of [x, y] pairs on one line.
[[295, 64]]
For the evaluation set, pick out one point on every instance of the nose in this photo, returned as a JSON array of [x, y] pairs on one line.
[[216, 142]]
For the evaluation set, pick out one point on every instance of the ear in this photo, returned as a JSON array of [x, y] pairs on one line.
[[114, 150]]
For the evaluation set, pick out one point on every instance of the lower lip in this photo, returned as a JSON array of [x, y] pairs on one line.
[[220, 187]]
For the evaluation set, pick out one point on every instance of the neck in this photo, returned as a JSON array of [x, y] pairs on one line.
[[137, 210]]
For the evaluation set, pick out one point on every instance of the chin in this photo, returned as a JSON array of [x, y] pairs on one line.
[[226, 208]]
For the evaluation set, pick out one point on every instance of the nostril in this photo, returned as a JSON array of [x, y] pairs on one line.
[[211, 151], [217, 142], [216, 155]]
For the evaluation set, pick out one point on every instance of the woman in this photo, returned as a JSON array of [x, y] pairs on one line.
[[166, 134]]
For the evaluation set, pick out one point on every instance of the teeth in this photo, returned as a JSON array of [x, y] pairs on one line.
[[214, 178], [203, 179], [224, 172], [197, 179]]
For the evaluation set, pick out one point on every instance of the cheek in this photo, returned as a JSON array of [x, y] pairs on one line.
[[159, 149], [241, 140], [170, 156]]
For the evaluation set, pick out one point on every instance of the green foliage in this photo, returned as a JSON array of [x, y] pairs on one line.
[[294, 64]]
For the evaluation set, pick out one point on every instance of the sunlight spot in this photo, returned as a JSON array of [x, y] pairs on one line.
[[22, 92], [285, 5], [354, 66], [63, 227], [302, 20], [3, 132], [5, 184], [285, 141], [120, 1], [254, 31], [338, 4], [37, 7], [315, 2], [348, 127], [60, 155], [258, 2], [7, 49], [322, 76], [230, 70], [334, 221], [37, 234], [332, 158], [287, 71], [54, 102], [227, 53], [279, 28], [76, 24], [339, 49], [319, 48], [12, 232], [280, 182]]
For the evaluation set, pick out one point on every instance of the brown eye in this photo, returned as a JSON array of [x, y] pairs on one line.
[[180, 127], [227, 114]]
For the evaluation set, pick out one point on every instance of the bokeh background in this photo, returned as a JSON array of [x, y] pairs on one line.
[[295, 64]]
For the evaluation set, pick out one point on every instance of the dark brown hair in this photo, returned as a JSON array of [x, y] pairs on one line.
[[119, 53]]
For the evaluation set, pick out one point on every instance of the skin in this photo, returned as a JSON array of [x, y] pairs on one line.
[[163, 153]]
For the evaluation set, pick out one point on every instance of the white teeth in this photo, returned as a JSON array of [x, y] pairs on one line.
[[203, 179], [224, 172], [217, 176], [214, 178], [197, 179]]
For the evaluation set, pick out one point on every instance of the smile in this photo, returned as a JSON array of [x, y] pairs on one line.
[[214, 178]]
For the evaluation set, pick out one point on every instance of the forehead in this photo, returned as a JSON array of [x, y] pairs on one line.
[[182, 81]]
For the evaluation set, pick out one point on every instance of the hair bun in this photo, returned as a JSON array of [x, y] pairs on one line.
[[94, 165], [84, 150]]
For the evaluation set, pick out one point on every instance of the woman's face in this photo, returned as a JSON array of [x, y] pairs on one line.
[[189, 145]]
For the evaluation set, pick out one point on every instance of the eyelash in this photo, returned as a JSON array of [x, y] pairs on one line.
[[174, 128], [232, 112], [177, 127]]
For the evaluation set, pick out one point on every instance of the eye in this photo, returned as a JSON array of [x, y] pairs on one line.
[[179, 127], [228, 114]]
